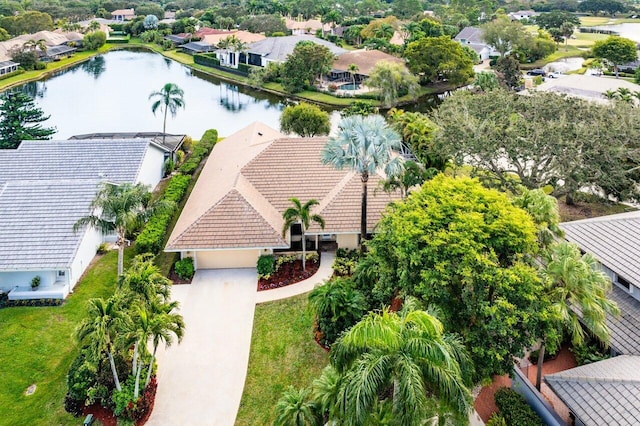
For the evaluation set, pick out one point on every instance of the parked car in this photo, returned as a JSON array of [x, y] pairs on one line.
[[536, 71], [554, 75]]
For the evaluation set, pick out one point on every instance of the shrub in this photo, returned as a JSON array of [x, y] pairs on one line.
[[278, 34], [168, 167], [266, 266], [180, 156], [332, 87], [496, 420], [187, 143], [199, 151], [589, 352], [514, 409], [184, 268], [345, 262], [103, 248], [312, 257], [40, 66], [151, 238], [35, 281], [287, 258], [206, 59]]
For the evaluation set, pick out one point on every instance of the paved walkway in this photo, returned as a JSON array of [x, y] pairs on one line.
[[200, 381]]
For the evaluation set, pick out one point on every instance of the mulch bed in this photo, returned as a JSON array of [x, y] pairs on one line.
[[106, 416], [176, 279], [289, 273]]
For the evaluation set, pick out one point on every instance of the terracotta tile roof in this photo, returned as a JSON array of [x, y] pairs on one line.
[[204, 31], [243, 36], [231, 221], [364, 59], [247, 182]]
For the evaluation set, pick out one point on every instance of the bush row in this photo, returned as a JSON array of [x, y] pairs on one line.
[[206, 59], [117, 40], [200, 150], [514, 409], [11, 74], [31, 302], [151, 238]]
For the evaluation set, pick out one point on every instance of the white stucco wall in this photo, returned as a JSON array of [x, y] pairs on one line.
[[152, 167], [348, 241], [9, 280], [84, 255]]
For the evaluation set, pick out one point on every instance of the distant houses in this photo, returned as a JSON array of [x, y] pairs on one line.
[[58, 44], [277, 49], [122, 15], [472, 37], [364, 60]]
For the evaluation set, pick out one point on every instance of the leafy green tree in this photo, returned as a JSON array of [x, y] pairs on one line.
[[439, 59], [574, 280], [364, 145], [556, 18], [359, 107], [150, 22], [267, 24], [486, 81], [167, 99], [402, 358], [508, 69], [20, 120], [308, 62], [543, 209], [381, 28], [505, 35], [413, 175], [418, 133], [548, 139], [301, 213], [94, 40], [4, 35], [596, 6], [616, 50], [100, 329], [120, 209], [461, 248], [338, 306], [29, 22], [307, 120], [295, 408], [392, 80]]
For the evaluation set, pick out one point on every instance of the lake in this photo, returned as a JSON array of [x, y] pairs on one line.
[[110, 93], [628, 30]]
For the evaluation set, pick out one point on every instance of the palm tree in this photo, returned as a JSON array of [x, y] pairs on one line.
[[139, 329], [610, 94], [143, 282], [164, 325], [101, 327], [120, 209], [577, 288], [326, 390], [364, 145], [93, 26], [302, 214], [543, 209], [295, 408], [404, 358], [353, 69], [168, 99]]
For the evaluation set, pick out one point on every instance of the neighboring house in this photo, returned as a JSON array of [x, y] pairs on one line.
[[277, 49], [615, 243], [51, 39], [522, 14], [472, 37], [397, 39], [178, 39], [45, 187], [230, 57], [56, 53], [168, 142], [7, 67], [602, 393], [234, 213], [205, 31], [122, 15], [365, 60], [305, 27], [197, 47]]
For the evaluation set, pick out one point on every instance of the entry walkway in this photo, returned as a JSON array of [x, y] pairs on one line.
[[200, 381]]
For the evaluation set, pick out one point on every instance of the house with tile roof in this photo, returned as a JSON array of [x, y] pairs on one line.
[[234, 213], [602, 393], [472, 37], [45, 187], [364, 59], [121, 15], [277, 49]]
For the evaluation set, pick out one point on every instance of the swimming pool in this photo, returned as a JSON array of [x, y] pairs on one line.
[[349, 86]]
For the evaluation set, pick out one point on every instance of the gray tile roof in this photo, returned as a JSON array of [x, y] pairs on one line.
[[46, 186], [614, 240], [278, 48], [625, 329], [603, 393], [471, 35]]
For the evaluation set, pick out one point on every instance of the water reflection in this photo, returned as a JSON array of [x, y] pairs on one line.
[[35, 89], [94, 66]]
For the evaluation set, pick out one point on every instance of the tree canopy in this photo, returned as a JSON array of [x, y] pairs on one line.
[[20, 120], [306, 120], [617, 50], [439, 59], [308, 62], [556, 18], [543, 139], [505, 35], [392, 81], [463, 249]]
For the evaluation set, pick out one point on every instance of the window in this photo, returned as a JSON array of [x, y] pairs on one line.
[[624, 283], [61, 274]]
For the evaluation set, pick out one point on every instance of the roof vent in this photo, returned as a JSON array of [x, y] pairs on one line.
[[259, 133]]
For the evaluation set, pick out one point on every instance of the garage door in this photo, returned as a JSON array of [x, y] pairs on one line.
[[227, 259]]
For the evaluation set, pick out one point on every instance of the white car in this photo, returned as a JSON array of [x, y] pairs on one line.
[[554, 75]]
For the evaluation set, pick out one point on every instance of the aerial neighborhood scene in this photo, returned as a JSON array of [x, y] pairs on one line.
[[305, 213]]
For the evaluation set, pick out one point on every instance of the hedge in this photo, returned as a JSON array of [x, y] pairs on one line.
[[11, 74], [246, 68], [514, 409], [200, 150], [152, 236], [208, 60], [117, 40]]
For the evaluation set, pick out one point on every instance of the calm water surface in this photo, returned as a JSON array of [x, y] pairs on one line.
[[628, 30], [110, 93]]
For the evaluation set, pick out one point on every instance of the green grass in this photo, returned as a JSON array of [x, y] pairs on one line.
[[559, 54], [37, 346], [283, 353], [594, 21]]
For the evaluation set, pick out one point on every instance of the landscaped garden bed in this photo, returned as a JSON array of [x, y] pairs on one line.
[[283, 270]]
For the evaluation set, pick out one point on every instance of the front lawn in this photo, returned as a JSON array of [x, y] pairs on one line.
[[37, 347], [283, 353]]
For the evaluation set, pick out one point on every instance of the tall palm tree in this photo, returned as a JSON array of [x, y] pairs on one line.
[[143, 282], [241, 47], [353, 70], [300, 213], [326, 390], [364, 145], [101, 327], [138, 332], [404, 358], [578, 291], [167, 99], [295, 408], [120, 209], [165, 324]]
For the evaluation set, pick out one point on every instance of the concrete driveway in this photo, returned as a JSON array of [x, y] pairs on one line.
[[200, 381]]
